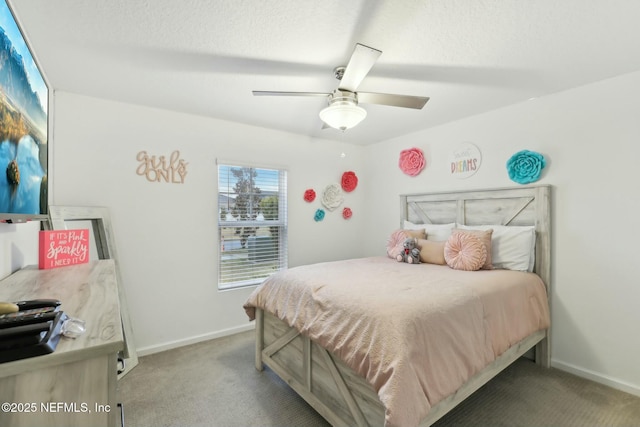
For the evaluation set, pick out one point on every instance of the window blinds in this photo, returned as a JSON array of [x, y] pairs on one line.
[[252, 224]]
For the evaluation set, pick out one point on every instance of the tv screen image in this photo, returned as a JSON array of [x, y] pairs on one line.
[[23, 124]]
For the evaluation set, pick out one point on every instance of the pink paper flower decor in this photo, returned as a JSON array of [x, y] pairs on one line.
[[412, 161], [309, 195], [349, 181]]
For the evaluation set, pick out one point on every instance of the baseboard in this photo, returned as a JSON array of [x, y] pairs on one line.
[[144, 351], [597, 377]]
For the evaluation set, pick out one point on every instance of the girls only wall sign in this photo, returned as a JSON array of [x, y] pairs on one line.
[[465, 160], [60, 248], [170, 169]]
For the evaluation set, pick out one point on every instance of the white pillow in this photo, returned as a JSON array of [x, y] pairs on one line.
[[437, 232], [408, 225], [512, 247]]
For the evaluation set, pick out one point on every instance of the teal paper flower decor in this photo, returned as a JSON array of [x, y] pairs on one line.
[[319, 216], [525, 166]]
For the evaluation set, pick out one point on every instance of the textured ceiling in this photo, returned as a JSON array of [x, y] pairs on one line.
[[205, 57]]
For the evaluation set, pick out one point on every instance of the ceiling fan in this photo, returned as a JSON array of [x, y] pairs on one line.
[[343, 111]]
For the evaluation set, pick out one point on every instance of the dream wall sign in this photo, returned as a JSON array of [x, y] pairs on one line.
[[465, 160]]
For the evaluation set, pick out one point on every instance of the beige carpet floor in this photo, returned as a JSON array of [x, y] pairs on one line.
[[214, 383]]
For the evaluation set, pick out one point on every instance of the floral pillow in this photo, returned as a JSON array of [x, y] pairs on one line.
[[464, 251], [394, 244], [485, 238]]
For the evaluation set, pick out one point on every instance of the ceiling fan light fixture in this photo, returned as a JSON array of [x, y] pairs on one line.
[[343, 115]]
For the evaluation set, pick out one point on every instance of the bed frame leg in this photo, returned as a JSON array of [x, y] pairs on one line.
[[543, 352], [259, 338]]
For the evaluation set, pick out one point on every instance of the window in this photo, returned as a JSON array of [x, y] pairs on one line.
[[252, 224]]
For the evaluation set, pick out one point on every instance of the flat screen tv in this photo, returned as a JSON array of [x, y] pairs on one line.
[[24, 97]]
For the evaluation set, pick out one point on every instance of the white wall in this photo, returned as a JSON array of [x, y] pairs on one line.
[[18, 246], [590, 137], [166, 233]]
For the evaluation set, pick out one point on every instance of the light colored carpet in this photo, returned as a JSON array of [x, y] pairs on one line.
[[214, 383]]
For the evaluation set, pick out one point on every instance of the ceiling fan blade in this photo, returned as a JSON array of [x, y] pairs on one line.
[[362, 59], [406, 101], [274, 93]]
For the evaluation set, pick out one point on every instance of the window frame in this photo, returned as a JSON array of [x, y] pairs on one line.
[[281, 222]]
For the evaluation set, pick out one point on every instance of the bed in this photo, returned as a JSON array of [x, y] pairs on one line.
[[360, 370]]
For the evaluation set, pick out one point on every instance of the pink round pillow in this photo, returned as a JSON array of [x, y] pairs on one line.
[[394, 244], [465, 252]]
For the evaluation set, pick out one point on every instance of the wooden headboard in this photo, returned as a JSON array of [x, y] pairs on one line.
[[507, 206]]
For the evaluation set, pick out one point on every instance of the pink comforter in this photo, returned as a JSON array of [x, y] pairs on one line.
[[415, 332]]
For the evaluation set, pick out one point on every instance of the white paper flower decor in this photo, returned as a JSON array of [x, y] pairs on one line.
[[332, 197]]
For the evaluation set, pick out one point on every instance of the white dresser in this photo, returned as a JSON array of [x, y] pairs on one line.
[[76, 384]]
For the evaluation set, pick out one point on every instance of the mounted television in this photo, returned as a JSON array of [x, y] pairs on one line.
[[24, 97]]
